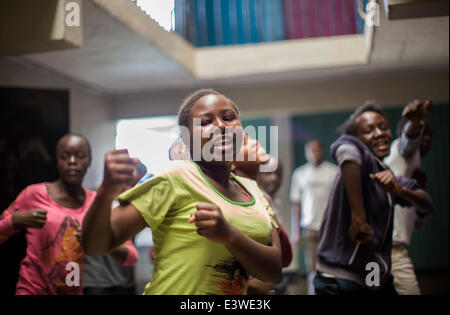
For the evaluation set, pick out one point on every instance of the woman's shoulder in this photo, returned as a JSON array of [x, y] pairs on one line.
[[34, 189], [172, 168], [162, 178]]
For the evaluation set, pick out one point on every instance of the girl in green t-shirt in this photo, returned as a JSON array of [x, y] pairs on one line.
[[211, 229]]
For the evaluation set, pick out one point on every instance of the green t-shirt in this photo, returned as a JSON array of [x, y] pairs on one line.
[[186, 263]]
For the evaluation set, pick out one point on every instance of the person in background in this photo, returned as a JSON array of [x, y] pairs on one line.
[[270, 183], [413, 144], [310, 188], [51, 214], [355, 237]]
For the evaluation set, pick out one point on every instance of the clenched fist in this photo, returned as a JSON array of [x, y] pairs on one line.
[[119, 173], [416, 111], [360, 231], [211, 224], [387, 181], [29, 219]]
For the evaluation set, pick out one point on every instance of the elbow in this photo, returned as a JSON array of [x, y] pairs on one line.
[[277, 275], [274, 276]]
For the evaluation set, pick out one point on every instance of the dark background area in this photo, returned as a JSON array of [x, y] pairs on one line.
[[31, 123]]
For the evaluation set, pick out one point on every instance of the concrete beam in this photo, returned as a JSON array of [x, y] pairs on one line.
[[238, 60], [38, 26]]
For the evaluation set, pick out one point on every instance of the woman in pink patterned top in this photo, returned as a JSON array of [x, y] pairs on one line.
[[52, 214]]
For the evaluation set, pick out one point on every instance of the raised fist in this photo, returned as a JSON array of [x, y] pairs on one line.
[[120, 172], [416, 111]]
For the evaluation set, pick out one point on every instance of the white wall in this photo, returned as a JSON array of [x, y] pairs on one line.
[[89, 109]]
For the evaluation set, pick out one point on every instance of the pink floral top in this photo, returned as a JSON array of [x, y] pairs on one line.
[[45, 269]]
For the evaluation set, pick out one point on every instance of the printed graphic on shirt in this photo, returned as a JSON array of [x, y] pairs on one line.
[[232, 277], [64, 248]]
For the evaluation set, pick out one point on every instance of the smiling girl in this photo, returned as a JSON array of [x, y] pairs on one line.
[[211, 229], [357, 226]]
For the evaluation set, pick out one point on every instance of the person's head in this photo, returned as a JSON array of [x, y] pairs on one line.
[[270, 182], [214, 112], [368, 123], [314, 152], [73, 157]]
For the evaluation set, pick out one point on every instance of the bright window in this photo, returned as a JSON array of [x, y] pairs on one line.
[[162, 11], [148, 139]]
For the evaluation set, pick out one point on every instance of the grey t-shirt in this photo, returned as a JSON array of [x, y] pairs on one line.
[[105, 272]]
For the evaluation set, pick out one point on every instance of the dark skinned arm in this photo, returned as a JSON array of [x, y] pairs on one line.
[[103, 229], [420, 199], [359, 230]]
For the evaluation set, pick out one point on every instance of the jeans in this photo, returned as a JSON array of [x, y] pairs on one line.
[[336, 286]]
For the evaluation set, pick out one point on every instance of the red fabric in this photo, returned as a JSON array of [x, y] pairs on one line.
[[286, 249]]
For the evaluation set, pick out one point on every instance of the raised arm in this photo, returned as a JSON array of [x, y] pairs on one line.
[[414, 112], [261, 261], [103, 229]]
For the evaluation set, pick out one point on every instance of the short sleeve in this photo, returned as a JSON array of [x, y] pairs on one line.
[[153, 199], [6, 225], [348, 153], [295, 194]]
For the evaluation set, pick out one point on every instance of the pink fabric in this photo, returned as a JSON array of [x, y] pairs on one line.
[[50, 249], [133, 255]]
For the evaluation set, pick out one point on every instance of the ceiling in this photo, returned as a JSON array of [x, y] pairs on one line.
[[117, 61]]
